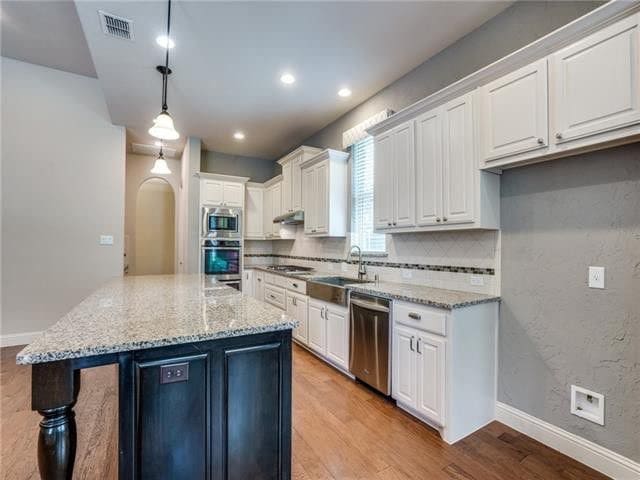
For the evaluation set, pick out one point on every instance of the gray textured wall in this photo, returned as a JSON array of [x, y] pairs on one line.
[[259, 169], [558, 218], [514, 28]]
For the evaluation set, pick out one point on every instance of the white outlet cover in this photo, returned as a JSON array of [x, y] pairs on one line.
[[596, 277], [407, 273], [106, 239], [476, 280]]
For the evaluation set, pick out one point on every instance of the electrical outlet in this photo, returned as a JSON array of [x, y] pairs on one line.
[[407, 273], [106, 239], [178, 372], [476, 280], [587, 404], [344, 266], [596, 277]]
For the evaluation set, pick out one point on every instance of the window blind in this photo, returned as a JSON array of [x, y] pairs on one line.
[[362, 233]]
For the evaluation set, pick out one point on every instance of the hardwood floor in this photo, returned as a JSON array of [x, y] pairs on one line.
[[342, 430]]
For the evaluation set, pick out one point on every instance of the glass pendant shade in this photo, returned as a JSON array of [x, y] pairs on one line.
[[163, 127], [160, 167]]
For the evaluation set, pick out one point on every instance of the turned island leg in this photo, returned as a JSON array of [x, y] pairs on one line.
[[54, 391]]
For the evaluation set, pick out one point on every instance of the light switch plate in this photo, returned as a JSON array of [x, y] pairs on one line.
[[596, 277], [476, 280], [106, 239]]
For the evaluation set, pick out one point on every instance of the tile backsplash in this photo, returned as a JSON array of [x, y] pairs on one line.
[[450, 260]]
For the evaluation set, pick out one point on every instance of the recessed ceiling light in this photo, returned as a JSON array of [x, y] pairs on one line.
[[165, 42], [238, 136], [344, 92], [287, 79]]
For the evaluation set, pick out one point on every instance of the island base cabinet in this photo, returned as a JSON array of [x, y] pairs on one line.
[[210, 410]]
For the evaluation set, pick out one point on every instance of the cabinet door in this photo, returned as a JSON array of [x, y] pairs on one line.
[[296, 184], [267, 213], [322, 197], [317, 327], [212, 193], [258, 286], [337, 336], [430, 357], [404, 378], [254, 214], [247, 282], [298, 305], [233, 194], [287, 182], [404, 176], [308, 198], [596, 82], [458, 165], [429, 168], [383, 181], [276, 208], [513, 116]]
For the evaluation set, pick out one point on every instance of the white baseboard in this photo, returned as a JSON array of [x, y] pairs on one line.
[[18, 338], [599, 458]]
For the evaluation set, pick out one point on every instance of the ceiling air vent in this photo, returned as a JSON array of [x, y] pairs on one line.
[[115, 26]]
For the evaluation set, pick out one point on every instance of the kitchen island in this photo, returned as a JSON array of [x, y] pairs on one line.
[[204, 379]]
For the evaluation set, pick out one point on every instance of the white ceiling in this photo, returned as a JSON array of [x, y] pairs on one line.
[[229, 57]]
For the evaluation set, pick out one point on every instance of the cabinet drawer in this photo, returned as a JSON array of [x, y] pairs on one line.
[[296, 285], [270, 279], [275, 296], [429, 319]]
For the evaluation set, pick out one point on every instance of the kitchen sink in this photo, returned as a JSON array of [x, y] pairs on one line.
[[331, 289]]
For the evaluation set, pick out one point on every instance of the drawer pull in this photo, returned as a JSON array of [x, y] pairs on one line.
[[411, 344], [415, 316], [295, 285], [272, 296]]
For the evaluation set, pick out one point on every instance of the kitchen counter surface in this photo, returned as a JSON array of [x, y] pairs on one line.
[[139, 312], [435, 297], [408, 292]]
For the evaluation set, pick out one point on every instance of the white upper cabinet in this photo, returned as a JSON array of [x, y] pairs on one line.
[[596, 83], [458, 161], [324, 194], [287, 184], [254, 212], [513, 113], [292, 177], [394, 178], [223, 190], [429, 168], [383, 181]]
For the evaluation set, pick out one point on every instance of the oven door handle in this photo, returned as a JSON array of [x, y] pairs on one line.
[[222, 248], [370, 305]]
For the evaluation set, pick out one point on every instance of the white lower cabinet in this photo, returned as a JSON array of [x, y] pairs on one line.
[[258, 286], [297, 308], [443, 365], [329, 332], [247, 282], [418, 372]]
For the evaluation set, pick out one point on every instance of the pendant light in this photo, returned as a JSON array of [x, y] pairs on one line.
[[163, 124], [160, 167]]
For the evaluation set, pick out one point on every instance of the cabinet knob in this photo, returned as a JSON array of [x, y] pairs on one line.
[[438, 219], [541, 141], [444, 219], [389, 223], [394, 224], [558, 135]]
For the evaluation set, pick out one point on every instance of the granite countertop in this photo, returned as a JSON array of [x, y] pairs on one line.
[[435, 297], [138, 312], [408, 292]]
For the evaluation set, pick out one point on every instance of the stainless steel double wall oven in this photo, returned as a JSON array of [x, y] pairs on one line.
[[221, 244]]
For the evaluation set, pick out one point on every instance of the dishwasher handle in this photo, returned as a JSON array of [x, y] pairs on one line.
[[369, 305]]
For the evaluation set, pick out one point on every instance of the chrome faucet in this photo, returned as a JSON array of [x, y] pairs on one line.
[[362, 269]]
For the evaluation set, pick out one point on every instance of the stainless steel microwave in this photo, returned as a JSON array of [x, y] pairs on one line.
[[221, 222]]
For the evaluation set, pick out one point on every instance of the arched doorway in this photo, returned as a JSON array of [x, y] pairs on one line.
[[154, 228]]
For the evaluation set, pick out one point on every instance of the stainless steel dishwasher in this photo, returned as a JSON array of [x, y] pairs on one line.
[[369, 355]]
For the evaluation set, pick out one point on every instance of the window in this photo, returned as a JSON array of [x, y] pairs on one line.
[[362, 233]]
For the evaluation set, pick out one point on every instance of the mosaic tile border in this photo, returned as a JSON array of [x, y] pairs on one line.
[[378, 263]]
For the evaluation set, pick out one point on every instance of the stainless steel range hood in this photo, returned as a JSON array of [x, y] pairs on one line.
[[291, 218]]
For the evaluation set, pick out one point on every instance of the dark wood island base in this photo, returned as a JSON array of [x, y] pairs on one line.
[[215, 409]]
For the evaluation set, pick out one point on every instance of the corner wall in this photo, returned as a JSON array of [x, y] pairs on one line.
[[63, 168]]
